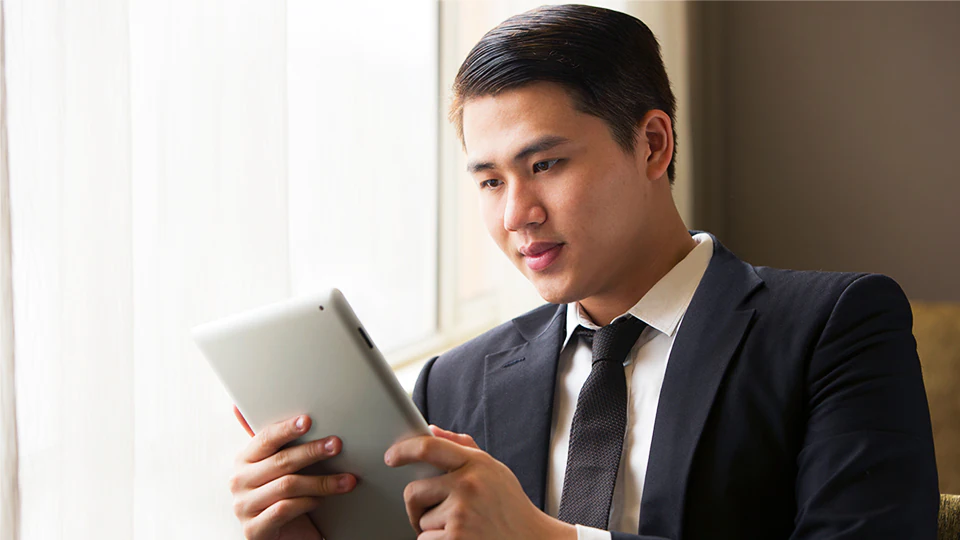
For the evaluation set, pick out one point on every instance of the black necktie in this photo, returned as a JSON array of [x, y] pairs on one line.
[[599, 423]]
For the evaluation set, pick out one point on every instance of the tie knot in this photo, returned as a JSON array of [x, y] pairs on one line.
[[614, 341]]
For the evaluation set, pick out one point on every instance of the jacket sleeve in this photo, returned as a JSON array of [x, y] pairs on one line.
[[420, 389], [866, 468]]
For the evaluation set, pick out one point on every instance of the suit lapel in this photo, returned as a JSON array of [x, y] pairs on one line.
[[518, 398], [712, 329]]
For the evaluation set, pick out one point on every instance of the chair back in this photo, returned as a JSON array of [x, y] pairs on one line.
[[937, 328], [949, 520]]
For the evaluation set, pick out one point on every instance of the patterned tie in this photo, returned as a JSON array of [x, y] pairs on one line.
[[599, 423]]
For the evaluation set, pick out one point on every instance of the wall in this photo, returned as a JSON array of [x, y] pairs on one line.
[[827, 137]]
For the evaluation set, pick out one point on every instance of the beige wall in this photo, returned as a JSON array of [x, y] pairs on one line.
[[828, 137]]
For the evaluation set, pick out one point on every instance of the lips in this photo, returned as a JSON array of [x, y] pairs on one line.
[[536, 248], [540, 255]]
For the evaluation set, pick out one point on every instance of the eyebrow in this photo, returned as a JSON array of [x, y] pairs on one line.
[[540, 145]]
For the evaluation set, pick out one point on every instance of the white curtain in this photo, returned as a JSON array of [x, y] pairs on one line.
[[172, 162], [9, 467]]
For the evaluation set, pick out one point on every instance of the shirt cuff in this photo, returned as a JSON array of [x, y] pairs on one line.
[[589, 533]]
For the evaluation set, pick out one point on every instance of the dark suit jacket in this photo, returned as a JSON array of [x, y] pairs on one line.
[[792, 407]]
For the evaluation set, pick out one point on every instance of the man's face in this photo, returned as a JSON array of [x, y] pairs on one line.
[[561, 198]]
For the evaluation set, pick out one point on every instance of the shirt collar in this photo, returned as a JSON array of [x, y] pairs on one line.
[[666, 302]]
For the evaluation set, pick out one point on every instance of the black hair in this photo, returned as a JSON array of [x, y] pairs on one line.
[[608, 61]]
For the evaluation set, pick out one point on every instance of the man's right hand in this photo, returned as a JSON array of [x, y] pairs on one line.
[[269, 498]]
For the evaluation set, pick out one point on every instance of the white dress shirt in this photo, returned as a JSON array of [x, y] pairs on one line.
[[662, 308]]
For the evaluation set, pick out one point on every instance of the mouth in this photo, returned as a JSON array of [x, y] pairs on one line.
[[539, 255]]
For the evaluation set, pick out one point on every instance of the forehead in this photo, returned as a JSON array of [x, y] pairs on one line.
[[493, 125]]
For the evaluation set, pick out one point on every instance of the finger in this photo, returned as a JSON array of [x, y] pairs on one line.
[[294, 486], [460, 438], [421, 495], [242, 420], [266, 526], [437, 518], [290, 460], [441, 453], [432, 535], [273, 437]]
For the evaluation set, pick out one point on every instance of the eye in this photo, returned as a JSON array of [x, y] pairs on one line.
[[490, 184], [543, 166]]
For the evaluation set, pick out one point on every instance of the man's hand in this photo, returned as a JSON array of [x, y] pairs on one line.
[[478, 498], [269, 498]]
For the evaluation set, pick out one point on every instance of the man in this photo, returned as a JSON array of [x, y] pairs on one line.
[[668, 389]]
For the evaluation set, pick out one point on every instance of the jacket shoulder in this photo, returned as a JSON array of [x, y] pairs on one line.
[[794, 308], [818, 290], [450, 387], [470, 355]]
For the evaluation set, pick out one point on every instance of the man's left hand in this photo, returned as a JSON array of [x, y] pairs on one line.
[[478, 498]]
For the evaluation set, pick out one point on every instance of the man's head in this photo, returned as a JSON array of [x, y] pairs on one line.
[[565, 114], [608, 61]]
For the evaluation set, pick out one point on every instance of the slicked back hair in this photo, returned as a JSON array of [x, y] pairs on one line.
[[609, 63]]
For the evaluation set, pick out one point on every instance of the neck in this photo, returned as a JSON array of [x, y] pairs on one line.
[[668, 247]]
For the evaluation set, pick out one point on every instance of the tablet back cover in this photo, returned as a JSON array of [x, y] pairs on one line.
[[311, 355]]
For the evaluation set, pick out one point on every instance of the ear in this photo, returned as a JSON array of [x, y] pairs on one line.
[[654, 144]]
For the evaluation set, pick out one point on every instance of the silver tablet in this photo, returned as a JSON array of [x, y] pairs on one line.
[[311, 355]]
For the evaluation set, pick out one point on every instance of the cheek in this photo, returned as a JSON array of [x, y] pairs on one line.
[[611, 196], [491, 212], [577, 204]]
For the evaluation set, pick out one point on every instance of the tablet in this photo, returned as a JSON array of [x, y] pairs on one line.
[[310, 355]]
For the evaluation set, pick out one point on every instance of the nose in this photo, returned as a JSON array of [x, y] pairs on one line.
[[523, 207]]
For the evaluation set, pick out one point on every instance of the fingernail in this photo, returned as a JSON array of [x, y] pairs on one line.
[[388, 457], [344, 482], [330, 445], [299, 423]]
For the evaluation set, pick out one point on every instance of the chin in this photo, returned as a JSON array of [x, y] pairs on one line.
[[555, 293]]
